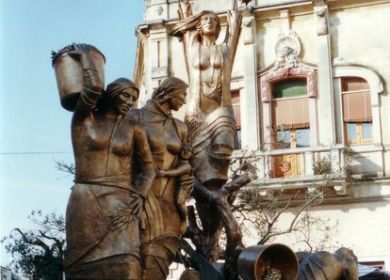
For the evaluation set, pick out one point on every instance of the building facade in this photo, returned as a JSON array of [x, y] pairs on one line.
[[310, 88]]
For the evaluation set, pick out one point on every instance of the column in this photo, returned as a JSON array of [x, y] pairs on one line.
[[158, 55], [326, 112], [250, 113]]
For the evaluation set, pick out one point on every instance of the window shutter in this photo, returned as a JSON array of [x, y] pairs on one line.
[[291, 113], [356, 100], [357, 107]]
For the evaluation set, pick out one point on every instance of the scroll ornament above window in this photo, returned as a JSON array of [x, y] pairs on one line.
[[287, 65]]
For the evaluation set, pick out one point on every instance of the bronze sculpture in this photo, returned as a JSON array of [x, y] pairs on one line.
[[126, 215], [323, 265], [164, 209], [105, 206], [211, 123]]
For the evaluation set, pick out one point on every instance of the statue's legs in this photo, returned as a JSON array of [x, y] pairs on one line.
[[157, 256], [119, 267], [102, 235]]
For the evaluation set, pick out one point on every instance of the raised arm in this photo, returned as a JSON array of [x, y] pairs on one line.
[[184, 10], [185, 29], [233, 32], [92, 89]]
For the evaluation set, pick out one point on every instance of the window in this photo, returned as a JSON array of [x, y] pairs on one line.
[[374, 264], [237, 113], [357, 113], [290, 124], [290, 114]]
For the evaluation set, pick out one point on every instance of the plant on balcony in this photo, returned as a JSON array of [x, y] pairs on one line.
[[323, 166]]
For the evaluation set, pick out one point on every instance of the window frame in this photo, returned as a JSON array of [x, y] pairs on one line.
[[375, 85], [268, 79]]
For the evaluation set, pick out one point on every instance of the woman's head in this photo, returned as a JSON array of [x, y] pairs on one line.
[[206, 22], [172, 90], [121, 95], [209, 24]]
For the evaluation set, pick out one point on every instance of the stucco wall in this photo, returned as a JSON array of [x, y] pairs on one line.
[[363, 227]]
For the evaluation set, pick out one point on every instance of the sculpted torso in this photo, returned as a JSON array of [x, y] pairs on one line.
[[165, 145], [102, 146], [209, 62]]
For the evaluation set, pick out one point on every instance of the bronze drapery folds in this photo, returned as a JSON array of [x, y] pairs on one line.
[[342, 264], [105, 206], [212, 127], [164, 210]]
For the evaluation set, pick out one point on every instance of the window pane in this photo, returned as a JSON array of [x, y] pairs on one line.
[[367, 130], [352, 131], [237, 140], [290, 88], [303, 137], [283, 139]]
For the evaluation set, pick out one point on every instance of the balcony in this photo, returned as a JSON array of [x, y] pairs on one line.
[[337, 168]]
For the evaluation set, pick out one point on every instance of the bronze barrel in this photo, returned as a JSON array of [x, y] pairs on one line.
[[69, 74], [255, 261]]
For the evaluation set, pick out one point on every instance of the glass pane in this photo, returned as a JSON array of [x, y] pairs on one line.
[[367, 130], [303, 137], [352, 131], [237, 140], [290, 88], [283, 139]]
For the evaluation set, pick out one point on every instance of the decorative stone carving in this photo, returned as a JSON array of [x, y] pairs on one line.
[[320, 10], [247, 23], [287, 64], [159, 10], [287, 50]]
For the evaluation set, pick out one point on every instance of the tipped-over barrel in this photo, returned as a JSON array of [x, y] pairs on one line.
[[275, 261], [69, 73]]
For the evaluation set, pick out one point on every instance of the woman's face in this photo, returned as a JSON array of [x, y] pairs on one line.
[[178, 100], [209, 24], [125, 100]]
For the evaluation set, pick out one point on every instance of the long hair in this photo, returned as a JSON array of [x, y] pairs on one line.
[[168, 89], [194, 23], [112, 91]]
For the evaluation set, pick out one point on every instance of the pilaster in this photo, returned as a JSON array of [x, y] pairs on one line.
[[327, 125], [250, 125], [158, 55]]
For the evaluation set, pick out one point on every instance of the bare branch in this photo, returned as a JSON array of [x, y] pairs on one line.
[[66, 167]]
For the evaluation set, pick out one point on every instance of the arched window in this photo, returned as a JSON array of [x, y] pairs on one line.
[[357, 113], [357, 90], [290, 114]]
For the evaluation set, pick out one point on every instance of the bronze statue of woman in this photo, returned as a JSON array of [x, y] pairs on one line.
[[164, 212], [105, 206], [210, 116]]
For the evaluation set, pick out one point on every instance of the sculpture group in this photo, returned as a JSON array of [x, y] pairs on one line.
[[136, 168]]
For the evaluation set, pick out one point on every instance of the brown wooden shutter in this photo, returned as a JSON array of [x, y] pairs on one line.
[[356, 100], [291, 113]]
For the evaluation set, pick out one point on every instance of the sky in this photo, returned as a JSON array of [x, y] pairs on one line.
[[34, 128]]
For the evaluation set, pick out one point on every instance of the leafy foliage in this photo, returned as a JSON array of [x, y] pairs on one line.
[[38, 253]]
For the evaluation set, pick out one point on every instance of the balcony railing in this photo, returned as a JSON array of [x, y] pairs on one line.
[[300, 166]]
